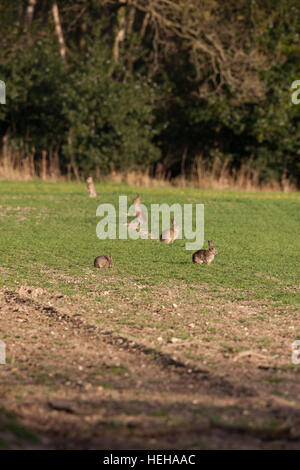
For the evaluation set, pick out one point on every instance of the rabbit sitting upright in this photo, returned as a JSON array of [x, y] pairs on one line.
[[169, 235], [205, 256], [91, 187]]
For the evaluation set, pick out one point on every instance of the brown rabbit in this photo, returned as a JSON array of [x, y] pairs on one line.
[[137, 205], [138, 210], [169, 235], [137, 200], [91, 187], [205, 256], [104, 262]]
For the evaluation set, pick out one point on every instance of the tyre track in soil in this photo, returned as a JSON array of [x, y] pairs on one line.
[[84, 414]]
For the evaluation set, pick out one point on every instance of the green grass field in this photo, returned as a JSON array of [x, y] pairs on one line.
[[53, 226], [235, 320]]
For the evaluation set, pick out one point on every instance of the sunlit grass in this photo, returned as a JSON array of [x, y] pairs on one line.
[[51, 227]]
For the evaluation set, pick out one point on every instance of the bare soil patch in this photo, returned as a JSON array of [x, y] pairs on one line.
[[76, 382]]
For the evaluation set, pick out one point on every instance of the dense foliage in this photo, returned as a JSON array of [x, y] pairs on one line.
[[123, 85]]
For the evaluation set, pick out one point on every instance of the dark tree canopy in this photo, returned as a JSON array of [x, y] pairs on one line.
[[101, 85]]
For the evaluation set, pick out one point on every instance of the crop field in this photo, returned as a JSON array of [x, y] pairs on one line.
[[156, 352]]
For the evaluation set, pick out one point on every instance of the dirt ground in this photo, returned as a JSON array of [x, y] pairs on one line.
[[77, 385]]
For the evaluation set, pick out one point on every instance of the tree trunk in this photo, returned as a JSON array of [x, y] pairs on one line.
[[120, 36], [44, 165], [58, 29], [29, 13], [72, 160]]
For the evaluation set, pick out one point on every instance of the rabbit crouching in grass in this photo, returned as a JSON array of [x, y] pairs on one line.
[[104, 262], [205, 256]]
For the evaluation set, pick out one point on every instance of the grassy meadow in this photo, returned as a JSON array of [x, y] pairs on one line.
[[236, 318], [53, 226]]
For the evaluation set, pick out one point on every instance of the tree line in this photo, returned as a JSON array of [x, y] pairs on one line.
[[95, 86]]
